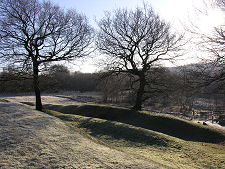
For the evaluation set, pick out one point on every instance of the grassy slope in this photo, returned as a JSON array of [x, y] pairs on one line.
[[170, 141], [169, 125]]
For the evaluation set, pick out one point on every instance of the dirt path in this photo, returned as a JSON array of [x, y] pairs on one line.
[[32, 139]]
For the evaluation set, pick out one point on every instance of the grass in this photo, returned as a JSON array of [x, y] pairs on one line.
[[167, 140], [166, 124]]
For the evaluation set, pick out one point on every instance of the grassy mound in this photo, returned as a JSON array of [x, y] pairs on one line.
[[152, 145], [168, 125], [167, 140]]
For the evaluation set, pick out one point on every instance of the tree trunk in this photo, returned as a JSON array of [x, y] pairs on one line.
[[36, 86], [140, 93]]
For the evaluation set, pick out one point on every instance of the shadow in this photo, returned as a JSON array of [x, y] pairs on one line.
[[168, 125], [123, 132], [28, 103], [177, 128], [70, 98]]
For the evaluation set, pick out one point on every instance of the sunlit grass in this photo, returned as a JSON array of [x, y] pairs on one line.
[[153, 145], [166, 124]]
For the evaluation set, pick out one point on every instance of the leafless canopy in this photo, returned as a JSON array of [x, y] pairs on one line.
[[34, 33], [42, 32], [216, 46], [213, 42], [136, 40]]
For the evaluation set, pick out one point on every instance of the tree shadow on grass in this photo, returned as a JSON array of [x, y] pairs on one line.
[[168, 125], [28, 103], [177, 128], [125, 132]]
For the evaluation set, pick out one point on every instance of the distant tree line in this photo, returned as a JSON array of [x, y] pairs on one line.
[[179, 86], [57, 78], [168, 86]]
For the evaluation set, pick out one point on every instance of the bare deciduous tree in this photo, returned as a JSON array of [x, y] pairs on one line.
[[134, 42], [212, 42], [36, 33], [216, 45]]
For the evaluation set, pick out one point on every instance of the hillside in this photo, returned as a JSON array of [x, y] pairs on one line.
[[166, 124], [171, 141], [33, 139]]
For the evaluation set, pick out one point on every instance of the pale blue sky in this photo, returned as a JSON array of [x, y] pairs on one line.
[[173, 11], [168, 9], [96, 8]]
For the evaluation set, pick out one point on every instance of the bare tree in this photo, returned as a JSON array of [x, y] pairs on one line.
[[35, 33], [112, 87], [211, 42], [134, 42], [214, 43]]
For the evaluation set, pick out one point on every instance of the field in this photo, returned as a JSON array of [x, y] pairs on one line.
[[169, 141], [33, 139]]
